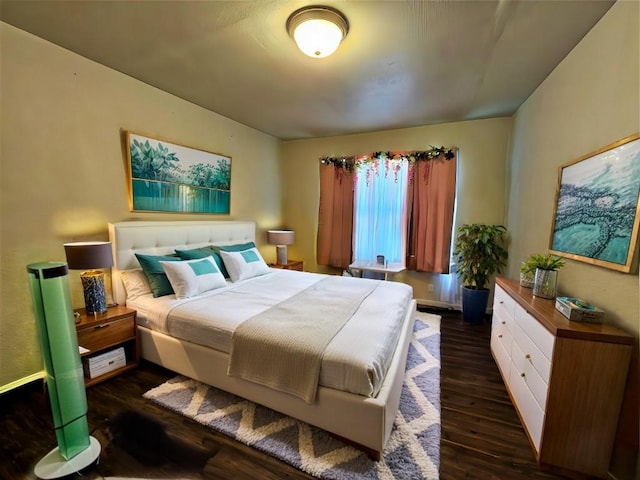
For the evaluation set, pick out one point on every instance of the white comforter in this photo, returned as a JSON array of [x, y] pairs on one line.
[[357, 358]]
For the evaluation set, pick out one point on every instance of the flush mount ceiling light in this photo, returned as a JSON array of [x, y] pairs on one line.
[[318, 31]]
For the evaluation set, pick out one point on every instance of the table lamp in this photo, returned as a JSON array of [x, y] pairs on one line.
[[91, 256], [281, 238]]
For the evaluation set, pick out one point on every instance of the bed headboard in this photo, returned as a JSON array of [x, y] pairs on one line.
[[162, 238]]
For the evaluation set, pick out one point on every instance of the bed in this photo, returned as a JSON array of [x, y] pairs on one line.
[[362, 417]]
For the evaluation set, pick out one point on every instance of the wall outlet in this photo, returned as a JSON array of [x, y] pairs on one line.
[[430, 287]]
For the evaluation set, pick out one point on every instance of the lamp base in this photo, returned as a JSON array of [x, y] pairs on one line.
[[52, 465], [95, 297], [281, 254]]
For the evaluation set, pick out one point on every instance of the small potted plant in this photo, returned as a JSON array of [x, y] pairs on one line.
[[481, 253], [546, 274], [528, 272]]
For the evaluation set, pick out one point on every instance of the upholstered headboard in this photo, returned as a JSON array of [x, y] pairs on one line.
[[162, 238]]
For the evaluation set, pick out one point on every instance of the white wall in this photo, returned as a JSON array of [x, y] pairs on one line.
[[63, 171], [590, 100]]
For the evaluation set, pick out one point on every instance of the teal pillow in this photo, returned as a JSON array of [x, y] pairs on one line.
[[203, 252], [152, 269], [238, 247]]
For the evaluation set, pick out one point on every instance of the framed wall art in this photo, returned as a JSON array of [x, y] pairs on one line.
[[597, 214], [167, 177]]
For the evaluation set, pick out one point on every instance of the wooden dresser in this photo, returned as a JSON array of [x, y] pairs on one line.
[[566, 379]]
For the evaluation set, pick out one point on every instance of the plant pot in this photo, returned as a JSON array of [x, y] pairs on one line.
[[545, 283], [474, 304], [527, 279]]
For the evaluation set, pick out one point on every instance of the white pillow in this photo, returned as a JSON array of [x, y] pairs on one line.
[[245, 264], [135, 283], [193, 277]]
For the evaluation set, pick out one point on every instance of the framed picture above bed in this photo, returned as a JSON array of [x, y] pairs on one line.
[[597, 213], [168, 177]]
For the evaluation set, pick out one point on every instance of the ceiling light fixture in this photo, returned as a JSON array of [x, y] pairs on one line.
[[317, 30]]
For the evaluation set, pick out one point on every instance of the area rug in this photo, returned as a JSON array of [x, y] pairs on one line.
[[413, 449]]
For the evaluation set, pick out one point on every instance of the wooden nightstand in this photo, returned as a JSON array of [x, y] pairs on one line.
[[291, 265], [107, 331]]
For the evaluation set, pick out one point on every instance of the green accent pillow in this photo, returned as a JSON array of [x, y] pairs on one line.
[[204, 252], [152, 269], [238, 247]]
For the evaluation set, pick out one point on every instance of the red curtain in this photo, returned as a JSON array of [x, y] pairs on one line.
[[335, 216], [432, 196]]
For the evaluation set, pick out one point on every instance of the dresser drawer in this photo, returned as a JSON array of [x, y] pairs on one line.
[[539, 335], [502, 334], [536, 384], [500, 316], [501, 356], [532, 353], [530, 412], [502, 299], [107, 333]]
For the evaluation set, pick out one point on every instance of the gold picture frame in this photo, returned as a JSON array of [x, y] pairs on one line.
[[169, 177], [597, 210]]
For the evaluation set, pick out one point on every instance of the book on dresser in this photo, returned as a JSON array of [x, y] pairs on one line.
[[566, 379]]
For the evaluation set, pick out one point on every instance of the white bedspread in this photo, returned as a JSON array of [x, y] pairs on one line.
[[356, 360]]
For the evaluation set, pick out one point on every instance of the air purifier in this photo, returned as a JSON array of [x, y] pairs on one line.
[[76, 449]]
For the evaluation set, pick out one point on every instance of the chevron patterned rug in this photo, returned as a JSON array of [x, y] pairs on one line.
[[412, 452]]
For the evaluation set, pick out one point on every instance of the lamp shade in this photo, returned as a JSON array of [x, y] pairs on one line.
[[281, 237], [88, 255]]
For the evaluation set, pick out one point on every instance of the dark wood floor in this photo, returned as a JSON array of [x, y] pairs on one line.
[[481, 435]]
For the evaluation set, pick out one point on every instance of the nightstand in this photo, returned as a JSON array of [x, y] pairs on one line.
[[291, 265], [106, 332]]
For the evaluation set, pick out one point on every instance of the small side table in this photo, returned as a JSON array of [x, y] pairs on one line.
[[388, 269], [106, 331], [291, 265]]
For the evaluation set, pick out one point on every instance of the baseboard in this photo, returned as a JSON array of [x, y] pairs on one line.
[[426, 303], [423, 302], [22, 382]]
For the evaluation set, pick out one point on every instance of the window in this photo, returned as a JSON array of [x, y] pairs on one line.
[[380, 210], [396, 204]]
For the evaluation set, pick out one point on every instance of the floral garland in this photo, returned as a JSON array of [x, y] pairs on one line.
[[348, 163], [344, 163]]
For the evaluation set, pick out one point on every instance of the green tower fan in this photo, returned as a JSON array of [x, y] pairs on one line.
[[76, 449]]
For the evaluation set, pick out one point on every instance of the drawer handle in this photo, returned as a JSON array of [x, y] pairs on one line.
[[501, 302], [500, 336], [522, 374], [503, 322], [527, 356], [103, 325]]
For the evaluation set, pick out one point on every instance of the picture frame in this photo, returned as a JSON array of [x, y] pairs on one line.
[[597, 212], [169, 177]]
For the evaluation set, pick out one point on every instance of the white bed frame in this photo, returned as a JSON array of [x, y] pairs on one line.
[[366, 422]]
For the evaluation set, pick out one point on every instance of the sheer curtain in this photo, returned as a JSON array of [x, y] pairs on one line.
[[335, 216], [380, 210]]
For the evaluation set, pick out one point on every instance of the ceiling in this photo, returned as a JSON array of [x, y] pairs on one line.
[[402, 64]]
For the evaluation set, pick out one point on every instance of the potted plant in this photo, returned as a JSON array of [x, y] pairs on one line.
[[481, 253], [546, 274], [528, 271]]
